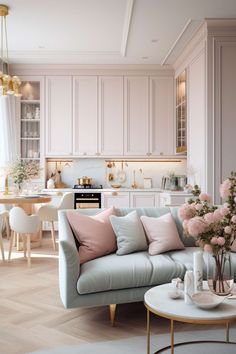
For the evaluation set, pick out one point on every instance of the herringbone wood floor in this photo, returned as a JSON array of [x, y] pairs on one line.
[[32, 316]]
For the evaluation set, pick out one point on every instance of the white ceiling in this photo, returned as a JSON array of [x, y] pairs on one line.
[[105, 31]]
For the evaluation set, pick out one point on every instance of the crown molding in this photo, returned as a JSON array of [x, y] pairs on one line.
[[126, 27], [89, 69]]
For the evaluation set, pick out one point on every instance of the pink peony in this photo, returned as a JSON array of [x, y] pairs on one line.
[[186, 211], [225, 189], [227, 230], [204, 197], [221, 241], [196, 226], [217, 215], [214, 240], [198, 206], [233, 219], [209, 218], [224, 211], [226, 205], [208, 248]]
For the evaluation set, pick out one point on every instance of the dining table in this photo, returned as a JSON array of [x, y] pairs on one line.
[[26, 202]]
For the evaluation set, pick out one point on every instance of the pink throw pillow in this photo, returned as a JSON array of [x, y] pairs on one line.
[[162, 234], [94, 233]]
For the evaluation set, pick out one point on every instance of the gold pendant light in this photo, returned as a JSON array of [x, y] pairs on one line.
[[8, 85]]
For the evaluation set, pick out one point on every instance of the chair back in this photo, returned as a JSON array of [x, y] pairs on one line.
[[3, 215], [67, 201], [22, 223]]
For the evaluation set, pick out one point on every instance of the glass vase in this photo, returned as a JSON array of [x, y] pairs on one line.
[[220, 275]]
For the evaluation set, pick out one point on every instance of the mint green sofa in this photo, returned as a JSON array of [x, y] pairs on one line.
[[114, 279]]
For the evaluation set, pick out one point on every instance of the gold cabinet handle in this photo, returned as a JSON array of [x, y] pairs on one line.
[[114, 194]]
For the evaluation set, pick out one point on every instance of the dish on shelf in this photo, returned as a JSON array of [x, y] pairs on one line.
[[207, 300], [115, 185]]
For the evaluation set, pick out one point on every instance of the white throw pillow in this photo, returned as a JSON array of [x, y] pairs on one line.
[[162, 234], [129, 233]]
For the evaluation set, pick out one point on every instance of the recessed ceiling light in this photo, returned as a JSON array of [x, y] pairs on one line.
[[144, 57], [154, 40]]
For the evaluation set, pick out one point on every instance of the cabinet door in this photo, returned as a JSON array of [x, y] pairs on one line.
[[161, 116], [85, 115], [143, 199], [136, 132], [111, 115], [116, 199], [58, 116]]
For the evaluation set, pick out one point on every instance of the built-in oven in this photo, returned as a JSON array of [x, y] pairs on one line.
[[84, 200]]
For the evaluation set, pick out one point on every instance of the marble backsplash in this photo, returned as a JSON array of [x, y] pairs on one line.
[[99, 170]]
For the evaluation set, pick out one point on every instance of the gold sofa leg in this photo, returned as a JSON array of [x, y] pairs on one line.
[[112, 308]]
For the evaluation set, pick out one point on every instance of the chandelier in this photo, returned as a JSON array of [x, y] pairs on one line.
[[9, 85]]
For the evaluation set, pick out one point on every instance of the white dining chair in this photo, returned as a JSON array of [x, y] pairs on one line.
[[23, 225], [49, 213]]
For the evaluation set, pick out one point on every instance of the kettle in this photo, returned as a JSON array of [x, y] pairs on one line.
[[174, 182]]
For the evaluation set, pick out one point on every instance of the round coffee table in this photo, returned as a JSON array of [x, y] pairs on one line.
[[159, 303]]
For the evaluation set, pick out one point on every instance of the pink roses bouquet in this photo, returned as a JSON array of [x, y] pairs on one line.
[[214, 228]]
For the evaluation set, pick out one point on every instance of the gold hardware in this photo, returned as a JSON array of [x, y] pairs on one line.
[[114, 194], [112, 308], [3, 10], [110, 177]]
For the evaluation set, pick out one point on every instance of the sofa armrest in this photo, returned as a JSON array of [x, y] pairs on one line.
[[69, 264]]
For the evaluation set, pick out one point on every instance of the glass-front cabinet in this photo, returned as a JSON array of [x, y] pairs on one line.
[[30, 120], [181, 113]]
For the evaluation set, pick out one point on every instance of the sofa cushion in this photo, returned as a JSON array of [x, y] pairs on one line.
[[134, 270], [129, 233], [94, 233], [162, 234]]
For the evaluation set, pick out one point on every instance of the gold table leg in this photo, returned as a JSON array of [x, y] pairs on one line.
[[227, 333], [172, 336], [148, 331]]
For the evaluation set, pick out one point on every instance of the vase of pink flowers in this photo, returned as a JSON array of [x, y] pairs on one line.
[[214, 228]]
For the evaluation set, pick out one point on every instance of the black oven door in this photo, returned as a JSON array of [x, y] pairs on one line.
[[87, 200]]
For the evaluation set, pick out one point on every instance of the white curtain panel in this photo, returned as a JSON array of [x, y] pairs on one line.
[[8, 134], [8, 128]]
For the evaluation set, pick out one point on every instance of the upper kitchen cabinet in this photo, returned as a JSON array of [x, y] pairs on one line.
[[111, 118], [31, 119], [136, 115], [181, 113], [58, 116], [161, 116], [85, 116]]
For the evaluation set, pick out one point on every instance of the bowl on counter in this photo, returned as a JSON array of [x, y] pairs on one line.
[[115, 185]]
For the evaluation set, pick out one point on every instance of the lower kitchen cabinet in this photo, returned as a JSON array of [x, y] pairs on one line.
[[116, 199], [173, 198], [144, 199]]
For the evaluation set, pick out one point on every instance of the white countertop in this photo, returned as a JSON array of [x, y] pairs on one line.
[[58, 191]]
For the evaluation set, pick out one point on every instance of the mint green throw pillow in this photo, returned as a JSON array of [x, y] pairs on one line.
[[129, 233]]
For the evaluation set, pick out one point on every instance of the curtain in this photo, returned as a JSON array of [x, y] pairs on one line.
[[8, 133]]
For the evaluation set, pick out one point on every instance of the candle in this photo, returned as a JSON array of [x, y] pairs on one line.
[[188, 286], [198, 270]]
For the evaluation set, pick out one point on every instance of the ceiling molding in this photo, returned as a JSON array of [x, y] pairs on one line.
[[59, 53], [176, 41], [126, 28]]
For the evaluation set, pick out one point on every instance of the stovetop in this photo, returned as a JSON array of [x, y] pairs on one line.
[[88, 186]]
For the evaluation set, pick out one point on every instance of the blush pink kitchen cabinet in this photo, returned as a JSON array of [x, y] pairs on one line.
[[58, 116]]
